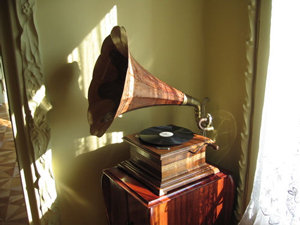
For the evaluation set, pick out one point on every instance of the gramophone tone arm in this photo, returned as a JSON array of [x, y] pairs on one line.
[[203, 121]]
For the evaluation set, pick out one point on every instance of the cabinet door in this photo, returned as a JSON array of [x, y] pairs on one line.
[[204, 202], [115, 199], [204, 205], [138, 213], [121, 207]]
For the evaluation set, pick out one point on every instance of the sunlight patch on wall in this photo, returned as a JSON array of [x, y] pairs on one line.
[[86, 55], [46, 195], [29, 214], [91, 143], [46, 183], [37, 99], [73, 196], [88, 51]]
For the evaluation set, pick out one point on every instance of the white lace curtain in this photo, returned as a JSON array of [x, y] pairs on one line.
[[275, 198]]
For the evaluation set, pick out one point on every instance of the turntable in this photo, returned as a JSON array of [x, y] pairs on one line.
[[170, 158]]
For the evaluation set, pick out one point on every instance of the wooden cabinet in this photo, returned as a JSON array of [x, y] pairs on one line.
[[205, 201]]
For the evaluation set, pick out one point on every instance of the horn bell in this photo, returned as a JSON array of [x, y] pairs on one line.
[[120, 84]]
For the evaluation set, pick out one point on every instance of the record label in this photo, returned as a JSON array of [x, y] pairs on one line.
[[166, 135]]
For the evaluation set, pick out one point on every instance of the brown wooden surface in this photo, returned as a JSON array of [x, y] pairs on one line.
[[175, 153], [205, 201], [166, 164], [162, 187], [164, 170]]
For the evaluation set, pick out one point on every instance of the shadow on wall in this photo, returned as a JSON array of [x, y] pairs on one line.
[[225, 135], [65, 96], [68, 116], [78, 176], [82, 198]]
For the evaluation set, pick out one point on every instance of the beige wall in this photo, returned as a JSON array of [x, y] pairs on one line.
[[226, 29], [195, 46]]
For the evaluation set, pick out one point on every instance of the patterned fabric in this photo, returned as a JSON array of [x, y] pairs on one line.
[[275, 197]]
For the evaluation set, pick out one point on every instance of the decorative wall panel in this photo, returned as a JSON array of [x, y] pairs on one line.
[[28, 108]]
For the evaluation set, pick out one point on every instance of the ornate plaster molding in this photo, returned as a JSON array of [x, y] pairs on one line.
[[36, 106]]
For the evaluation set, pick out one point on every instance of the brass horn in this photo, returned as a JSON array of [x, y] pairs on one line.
[[120, 84]]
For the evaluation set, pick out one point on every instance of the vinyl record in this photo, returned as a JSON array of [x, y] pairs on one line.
[[166, 135]]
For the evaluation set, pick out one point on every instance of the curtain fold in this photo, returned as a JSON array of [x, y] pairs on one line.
[[275, 198], [248, 106]]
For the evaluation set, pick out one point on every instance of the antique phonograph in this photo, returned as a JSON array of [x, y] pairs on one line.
[[162, 157]]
